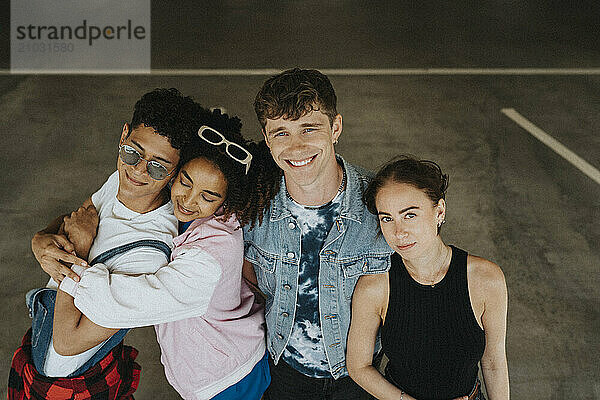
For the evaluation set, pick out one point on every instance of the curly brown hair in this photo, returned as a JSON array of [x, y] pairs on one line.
[[248, 195], [294, 93]]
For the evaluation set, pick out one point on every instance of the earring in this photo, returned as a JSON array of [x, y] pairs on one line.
[[335, 141]]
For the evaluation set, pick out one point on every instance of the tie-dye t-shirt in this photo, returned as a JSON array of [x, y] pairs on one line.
[[305, 351]]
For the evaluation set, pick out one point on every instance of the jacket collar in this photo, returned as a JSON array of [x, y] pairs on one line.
[[352, 205]]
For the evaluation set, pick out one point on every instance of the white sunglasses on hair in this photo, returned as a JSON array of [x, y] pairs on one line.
[[233, 150]]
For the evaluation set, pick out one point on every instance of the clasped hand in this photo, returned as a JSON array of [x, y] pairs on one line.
[[56, 252]]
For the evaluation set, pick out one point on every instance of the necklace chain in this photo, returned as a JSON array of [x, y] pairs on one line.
[[340, 190], [437, 273]]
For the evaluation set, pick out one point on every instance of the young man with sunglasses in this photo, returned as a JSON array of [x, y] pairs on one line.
[[133, 206], [148, 155], [316, 240]]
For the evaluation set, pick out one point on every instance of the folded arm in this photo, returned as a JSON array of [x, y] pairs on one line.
[[73, 333], [180, 289], [55, 252], [81, 228]]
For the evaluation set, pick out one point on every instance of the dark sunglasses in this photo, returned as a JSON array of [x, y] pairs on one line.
[[131, 156]]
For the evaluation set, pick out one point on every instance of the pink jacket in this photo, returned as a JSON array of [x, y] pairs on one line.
[[205, 355]]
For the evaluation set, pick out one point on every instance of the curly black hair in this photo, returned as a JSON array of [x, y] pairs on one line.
[[264, 181], [170, 114], [248, 194]]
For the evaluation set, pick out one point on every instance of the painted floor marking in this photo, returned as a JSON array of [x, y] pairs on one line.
[[554, 144], [327, 71]]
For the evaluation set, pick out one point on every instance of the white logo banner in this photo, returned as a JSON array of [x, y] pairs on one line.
[[79, 36]]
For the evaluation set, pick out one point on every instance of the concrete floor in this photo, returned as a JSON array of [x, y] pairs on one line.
[[511, 199]]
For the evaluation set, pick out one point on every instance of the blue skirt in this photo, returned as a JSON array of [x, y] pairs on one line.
[[252, 386]]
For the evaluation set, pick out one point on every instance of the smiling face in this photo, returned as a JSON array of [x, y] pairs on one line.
[[303, 148], [408, 218], [137, 190], [198, 191]]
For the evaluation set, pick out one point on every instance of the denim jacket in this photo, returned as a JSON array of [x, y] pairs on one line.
[[351, 249]]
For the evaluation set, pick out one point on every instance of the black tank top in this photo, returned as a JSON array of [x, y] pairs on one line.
[[430, 335]]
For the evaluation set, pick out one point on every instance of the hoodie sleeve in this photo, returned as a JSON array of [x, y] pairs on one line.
[[181, 289]]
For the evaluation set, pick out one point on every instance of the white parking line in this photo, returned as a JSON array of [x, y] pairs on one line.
[[327, 71], [554, 144]]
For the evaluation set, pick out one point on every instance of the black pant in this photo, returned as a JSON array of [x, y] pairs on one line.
[[289, 384]]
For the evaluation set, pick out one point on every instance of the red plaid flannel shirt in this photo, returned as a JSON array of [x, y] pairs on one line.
[[116, 376]]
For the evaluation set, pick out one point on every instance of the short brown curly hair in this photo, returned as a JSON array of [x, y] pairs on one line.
[[294, 93]]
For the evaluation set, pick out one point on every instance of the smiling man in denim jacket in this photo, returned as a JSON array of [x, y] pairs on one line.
[[316, 240]]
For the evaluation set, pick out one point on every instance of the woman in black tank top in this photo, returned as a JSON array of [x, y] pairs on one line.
[[440, 310]]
